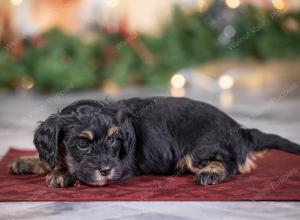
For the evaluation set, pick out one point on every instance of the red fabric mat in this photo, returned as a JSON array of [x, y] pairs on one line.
[[276, 178]]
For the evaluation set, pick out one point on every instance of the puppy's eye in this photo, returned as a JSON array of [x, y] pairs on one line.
[[83, 145], [111, 140]]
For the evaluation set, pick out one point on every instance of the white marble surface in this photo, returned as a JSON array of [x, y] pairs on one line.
[[275, 111], [149, 210]]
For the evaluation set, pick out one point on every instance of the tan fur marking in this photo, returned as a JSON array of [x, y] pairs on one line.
[[111, 131], [70, 163], [61, 180], [77, 183], [87, 134], [214, 167], [186, 163], [249, 165]]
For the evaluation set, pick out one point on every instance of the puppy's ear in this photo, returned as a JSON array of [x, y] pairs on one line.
[[129, 138], [125, 118], [123, 114], [46, 140]]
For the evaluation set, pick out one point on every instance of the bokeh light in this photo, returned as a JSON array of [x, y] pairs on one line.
[[178, 81], [202, 5], [16, 2], [178, 92], [233, 3], [278, 4], [226, 82], [112, 3], [226, 99], [26, 83]]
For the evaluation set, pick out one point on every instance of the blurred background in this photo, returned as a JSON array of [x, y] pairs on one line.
[[240, 55]]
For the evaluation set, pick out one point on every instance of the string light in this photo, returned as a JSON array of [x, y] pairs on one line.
[[278, 4], [178, 81], [226, 82], [233, 3], [16, 2], [112, 3]]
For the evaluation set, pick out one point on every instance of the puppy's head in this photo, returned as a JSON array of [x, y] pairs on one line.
[[94, 142]]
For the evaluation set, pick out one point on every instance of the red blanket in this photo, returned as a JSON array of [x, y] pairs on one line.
[[276, 178]]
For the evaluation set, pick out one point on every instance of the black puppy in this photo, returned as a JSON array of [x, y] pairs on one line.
[[95, 142]]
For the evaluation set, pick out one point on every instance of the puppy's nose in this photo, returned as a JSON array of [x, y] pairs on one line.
[[105, 171]]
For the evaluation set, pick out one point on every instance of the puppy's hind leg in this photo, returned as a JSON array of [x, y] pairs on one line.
[[207, 172], [27, 165], [216, 170]]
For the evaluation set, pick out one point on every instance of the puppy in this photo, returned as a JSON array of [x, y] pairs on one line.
[[96, 142]]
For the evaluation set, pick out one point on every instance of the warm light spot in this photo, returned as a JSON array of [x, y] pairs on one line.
[[177, 81], [233, 3], [202, 5], [110, 88], [177, 92], [16, 2], [278, 4], [112, 3], [27, 83], [226, 99], [226, 82]]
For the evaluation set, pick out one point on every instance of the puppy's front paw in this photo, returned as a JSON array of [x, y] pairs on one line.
[[59, 178]]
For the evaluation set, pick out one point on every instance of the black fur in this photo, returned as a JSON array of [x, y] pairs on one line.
[[153, 136]]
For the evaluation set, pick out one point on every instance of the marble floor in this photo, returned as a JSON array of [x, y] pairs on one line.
[[273, 110], [150, 210]]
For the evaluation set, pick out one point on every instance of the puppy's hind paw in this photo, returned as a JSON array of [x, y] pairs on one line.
[[206, 178], [214, 172]]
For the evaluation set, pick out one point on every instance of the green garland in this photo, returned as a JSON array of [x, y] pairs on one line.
[[64, 61]]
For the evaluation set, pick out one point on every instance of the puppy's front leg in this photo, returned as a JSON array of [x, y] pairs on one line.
[[57, 177], [61, 177], [28, 165]]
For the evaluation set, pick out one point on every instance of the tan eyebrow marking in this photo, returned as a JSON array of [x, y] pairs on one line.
[[111, 131], [87, 134]]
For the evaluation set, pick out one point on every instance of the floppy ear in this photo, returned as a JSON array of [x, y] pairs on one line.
[[125, 117], [46, 140], [123, 113], [129, 138]]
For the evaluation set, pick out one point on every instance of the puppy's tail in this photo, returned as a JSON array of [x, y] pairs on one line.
[[263, 141]]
